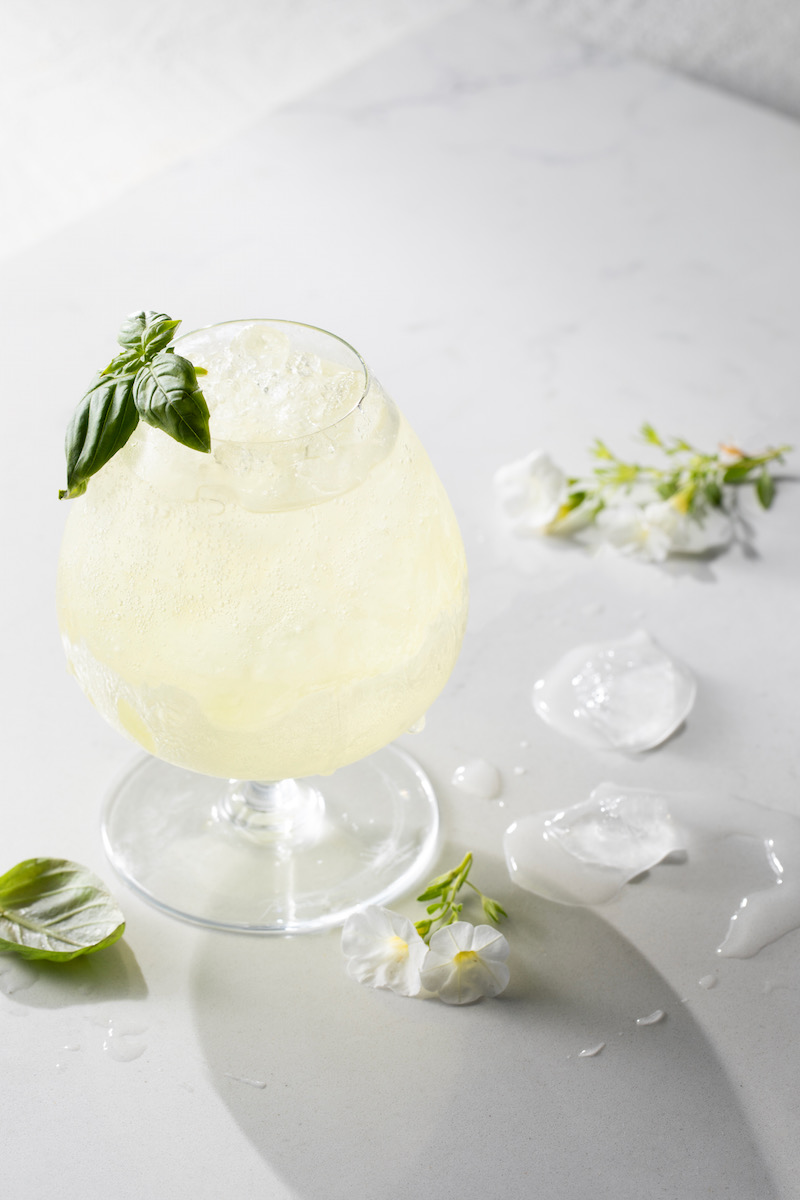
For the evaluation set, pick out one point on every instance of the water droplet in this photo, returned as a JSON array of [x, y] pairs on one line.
[[592, 1051], [418, 726], [16, 975], [774, 985], [624, 695], [520, 770], [653, 1018], [117, 1043], [478, 778], [707, 981], [255, 1083], [524, 744]]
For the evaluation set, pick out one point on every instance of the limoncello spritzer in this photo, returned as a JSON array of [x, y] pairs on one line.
[[284, 605]]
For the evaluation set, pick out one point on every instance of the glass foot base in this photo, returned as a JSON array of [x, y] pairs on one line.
[[360, 836]]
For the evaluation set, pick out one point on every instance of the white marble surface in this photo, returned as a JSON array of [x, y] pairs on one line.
[[531, 243]]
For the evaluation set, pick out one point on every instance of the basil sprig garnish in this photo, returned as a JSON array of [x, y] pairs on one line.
[[148, 381]]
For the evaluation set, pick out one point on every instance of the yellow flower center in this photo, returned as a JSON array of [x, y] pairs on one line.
[[464, 957], [398, 947]]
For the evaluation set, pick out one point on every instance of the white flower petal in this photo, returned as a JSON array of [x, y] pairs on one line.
[[642, 532], [465, 963], [531, 492], [694, 536], [383, 949]]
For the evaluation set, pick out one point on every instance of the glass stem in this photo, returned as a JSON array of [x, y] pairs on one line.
[[288, 812]]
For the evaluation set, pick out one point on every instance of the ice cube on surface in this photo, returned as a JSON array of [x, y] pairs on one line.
[[629, 828], [585, 854], [625, 695]]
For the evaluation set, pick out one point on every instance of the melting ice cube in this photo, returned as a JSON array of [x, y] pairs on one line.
[[627, 694], [586, 853]]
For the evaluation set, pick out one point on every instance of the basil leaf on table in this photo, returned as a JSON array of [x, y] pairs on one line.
[[167, 396], [54, 909]]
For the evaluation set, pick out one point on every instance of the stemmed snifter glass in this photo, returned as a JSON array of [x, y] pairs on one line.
[[265, 620]]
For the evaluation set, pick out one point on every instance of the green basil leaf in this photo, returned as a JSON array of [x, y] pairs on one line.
[[167, 395], [123, 364], [765, 489], [55, 909], [147, 332], [100, 426]]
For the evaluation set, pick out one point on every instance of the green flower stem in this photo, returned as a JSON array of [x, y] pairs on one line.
[[442, 906], [693, 480]]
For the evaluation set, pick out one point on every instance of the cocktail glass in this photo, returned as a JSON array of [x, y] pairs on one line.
[[265, 620]]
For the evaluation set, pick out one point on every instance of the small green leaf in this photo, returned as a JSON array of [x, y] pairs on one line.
[[668, 488], [146, 333], [439, 885], [430, 893], [168, 397], [574, 500], [127, 363], [100, 426], [600, 450], [649, 434], [765, 489], [54, 909], [713, 493], [494, 911]]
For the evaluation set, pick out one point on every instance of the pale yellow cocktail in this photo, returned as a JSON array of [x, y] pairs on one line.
[[289, 603]]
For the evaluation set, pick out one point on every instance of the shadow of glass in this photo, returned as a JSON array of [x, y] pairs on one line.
[[110, 974], [347, 1091]]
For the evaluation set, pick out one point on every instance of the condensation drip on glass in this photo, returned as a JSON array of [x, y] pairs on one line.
[[624, 695], [585, 854], [478, 778], [707, 982]]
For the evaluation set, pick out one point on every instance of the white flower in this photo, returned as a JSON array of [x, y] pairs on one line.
[[466, 962], [383, 949], [647, 531], [531, 492], [695, 535], [652, 531]]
